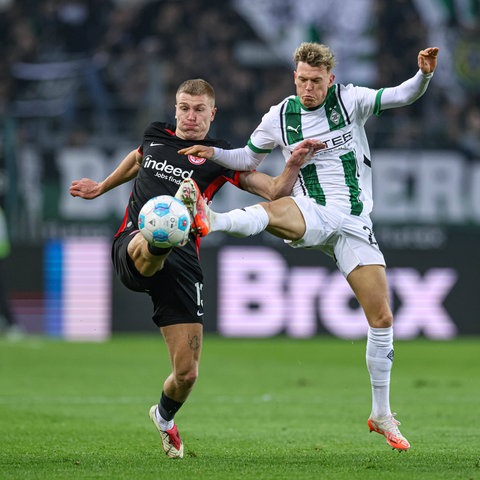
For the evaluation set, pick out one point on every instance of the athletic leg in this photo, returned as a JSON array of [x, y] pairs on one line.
[[369, 283], [147, 259], [281, 218], [184, 344]]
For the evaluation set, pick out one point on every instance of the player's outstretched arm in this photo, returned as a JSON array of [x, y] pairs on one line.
[[427, 60], [272, 188], [126, 170], [412, 89]]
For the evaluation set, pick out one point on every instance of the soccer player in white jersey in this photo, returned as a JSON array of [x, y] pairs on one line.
[[332, 198]]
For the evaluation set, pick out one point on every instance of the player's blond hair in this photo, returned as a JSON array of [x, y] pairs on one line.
[[315, 55], [196, 87]]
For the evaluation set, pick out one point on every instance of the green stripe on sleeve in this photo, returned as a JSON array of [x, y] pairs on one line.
[[376, 110], [256, 149]]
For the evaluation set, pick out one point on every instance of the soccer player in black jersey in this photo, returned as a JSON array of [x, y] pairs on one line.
[[173, 277]]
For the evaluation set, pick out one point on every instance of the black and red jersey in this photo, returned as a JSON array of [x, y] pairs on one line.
[[163, 170]]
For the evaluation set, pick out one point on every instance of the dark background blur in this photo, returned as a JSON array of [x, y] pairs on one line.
[[81, 79]]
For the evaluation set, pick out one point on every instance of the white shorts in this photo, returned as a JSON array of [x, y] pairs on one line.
[[348, 239]]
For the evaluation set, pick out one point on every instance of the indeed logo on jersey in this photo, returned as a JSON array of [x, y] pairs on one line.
[[166, 171]]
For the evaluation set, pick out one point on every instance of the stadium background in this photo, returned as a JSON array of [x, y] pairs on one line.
[[81, 79]]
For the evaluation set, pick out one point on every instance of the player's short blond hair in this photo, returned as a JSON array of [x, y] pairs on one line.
[[196, 87], [315, 55]]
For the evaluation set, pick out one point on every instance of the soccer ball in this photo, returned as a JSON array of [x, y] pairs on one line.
[[164, 222]]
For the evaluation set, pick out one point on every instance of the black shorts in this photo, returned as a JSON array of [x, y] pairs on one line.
[[176, 290]]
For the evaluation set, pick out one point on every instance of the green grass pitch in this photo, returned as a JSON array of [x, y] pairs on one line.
[[262, 409]]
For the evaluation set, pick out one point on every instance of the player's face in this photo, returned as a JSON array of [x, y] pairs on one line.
[[194, 114], [312, 84]]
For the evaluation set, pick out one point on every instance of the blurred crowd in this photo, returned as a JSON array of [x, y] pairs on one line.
[[84, 70]]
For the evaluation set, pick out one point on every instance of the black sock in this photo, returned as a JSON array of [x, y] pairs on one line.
[[168, 407], [157, 250]]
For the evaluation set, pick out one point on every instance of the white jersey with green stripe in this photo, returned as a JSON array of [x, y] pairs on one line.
[[339, 175]]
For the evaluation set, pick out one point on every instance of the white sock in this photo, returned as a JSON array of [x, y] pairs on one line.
[[240, 222], [164, 424], [379, 363]]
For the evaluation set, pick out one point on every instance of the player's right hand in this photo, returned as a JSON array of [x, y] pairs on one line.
[[305, 150], [198, 151], [85, 188]]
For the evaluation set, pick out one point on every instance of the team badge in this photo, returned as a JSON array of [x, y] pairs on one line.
[[335, 117], [196, 160]]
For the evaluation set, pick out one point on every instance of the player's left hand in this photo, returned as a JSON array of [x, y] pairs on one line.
[[427, 59]]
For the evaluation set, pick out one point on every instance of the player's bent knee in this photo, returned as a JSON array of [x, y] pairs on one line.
[[186, 377], [286, 219], [147, 268], [382, 321]]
